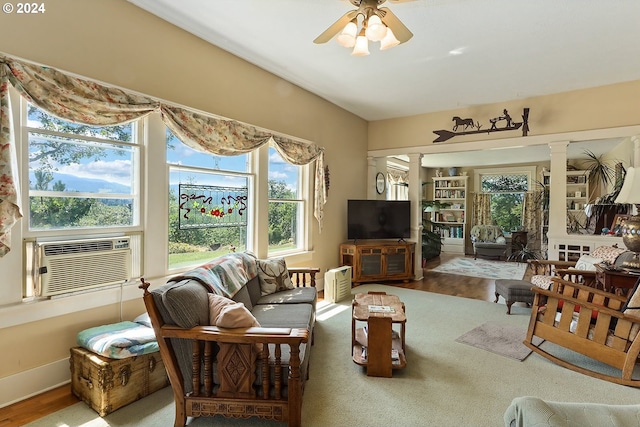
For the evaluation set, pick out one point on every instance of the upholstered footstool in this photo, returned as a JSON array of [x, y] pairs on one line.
[[514, 291]]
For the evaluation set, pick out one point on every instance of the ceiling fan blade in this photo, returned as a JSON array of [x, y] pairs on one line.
[[401, 32], [336, 27]]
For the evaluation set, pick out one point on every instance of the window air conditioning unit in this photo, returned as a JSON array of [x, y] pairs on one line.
[[337, 284], [73, 265]]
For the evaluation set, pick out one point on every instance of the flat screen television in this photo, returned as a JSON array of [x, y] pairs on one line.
[[378, 219]]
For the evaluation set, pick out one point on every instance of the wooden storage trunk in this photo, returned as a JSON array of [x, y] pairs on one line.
[[109, 384]]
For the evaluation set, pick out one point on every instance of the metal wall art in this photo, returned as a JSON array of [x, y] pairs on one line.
[[497, 124]]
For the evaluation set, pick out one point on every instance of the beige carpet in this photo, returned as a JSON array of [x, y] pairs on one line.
[[445, 383], [496, 337]]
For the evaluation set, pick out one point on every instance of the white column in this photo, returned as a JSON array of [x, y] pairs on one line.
[[415, 196], [636, 151], [558, 189]]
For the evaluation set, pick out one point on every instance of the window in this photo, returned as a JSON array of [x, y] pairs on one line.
[[80, 177], [209, 210], [507, 197], [286, 205]]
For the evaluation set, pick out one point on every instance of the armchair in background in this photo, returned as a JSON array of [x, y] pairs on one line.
[[488, 241]]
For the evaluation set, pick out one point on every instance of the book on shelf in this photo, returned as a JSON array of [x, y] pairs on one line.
[[381, 309]]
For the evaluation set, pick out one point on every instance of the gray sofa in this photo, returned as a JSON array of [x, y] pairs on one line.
[[531, 411], [488, 241], [239, 372]]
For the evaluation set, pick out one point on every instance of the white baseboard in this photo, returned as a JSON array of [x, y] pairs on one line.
[[15, 388]]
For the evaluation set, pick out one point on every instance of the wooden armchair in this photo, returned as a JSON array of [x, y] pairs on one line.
[[587, 321], [543, 270]]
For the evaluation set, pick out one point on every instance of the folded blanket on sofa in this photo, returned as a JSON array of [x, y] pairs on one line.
[[225, 275], [119, 340]]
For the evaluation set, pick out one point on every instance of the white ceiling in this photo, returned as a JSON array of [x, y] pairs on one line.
[[463, 52]]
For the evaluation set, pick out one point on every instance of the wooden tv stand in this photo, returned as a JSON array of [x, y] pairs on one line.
[[378, 260]]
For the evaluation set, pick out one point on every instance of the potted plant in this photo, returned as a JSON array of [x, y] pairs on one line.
[[431, 241], [601, 212]]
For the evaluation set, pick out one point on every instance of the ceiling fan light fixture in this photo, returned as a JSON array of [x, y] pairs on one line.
[[347, 38], [389, 40], [362, 45], [376, 30]]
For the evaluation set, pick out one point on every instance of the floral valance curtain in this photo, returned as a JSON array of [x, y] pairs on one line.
[[86, 102], [229, 137]]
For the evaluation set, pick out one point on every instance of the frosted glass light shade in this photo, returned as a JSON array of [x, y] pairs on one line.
[[362, 46], [389, 40], [347, 38], [376, 30]]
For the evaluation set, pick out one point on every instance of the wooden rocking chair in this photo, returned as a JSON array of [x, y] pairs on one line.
[[587, 321]]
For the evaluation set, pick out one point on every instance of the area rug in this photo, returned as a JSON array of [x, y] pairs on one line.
[[445, 383], [499, 338], [483, 268]]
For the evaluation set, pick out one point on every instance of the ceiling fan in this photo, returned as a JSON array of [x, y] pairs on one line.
[[375, 23]]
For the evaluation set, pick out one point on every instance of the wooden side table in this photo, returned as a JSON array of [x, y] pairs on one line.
[[615, 280], [372, 345]]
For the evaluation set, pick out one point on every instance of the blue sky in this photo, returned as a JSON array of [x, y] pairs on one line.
[[117, 168]]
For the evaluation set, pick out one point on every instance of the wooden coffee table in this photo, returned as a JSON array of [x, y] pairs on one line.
[[376, 344]]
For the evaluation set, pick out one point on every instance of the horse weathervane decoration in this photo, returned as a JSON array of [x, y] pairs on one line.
[[445, 135]]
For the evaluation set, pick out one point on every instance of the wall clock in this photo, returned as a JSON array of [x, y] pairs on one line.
[[380, 182]]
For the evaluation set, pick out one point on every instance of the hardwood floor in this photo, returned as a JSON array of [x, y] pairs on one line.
[[36, 407]]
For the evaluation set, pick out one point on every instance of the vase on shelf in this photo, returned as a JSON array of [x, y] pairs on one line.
[[453, 171]]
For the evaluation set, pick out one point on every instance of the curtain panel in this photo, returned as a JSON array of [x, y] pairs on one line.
[[531, 219], [10, 207], [482, 209], [82, 101]]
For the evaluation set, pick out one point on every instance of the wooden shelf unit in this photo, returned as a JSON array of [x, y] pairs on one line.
[[378, 260], [450, 222], [377, 334]]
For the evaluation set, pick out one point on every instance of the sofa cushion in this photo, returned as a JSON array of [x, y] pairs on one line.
[[253, 287], [291, 296], [284, 315], [243, 296], [587, 262], [226, 313], [273, 275], [184, 303]]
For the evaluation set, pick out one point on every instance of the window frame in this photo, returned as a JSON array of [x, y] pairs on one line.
[[137, 194], [304, 193], [529, 171]]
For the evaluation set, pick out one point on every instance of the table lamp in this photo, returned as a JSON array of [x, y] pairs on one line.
[[630, 194]]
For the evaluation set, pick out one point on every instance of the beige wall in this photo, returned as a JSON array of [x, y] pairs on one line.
[[115, 42], [581, 110]]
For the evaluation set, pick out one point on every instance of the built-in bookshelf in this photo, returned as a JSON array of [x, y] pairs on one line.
[[450, 221]]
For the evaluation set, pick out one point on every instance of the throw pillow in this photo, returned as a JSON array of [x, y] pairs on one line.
[[501, 240], [542, 281], [273, 275], [586, 262], [607, 253], [226, 313]]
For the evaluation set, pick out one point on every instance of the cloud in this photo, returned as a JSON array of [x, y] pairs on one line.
[[118, 171]]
